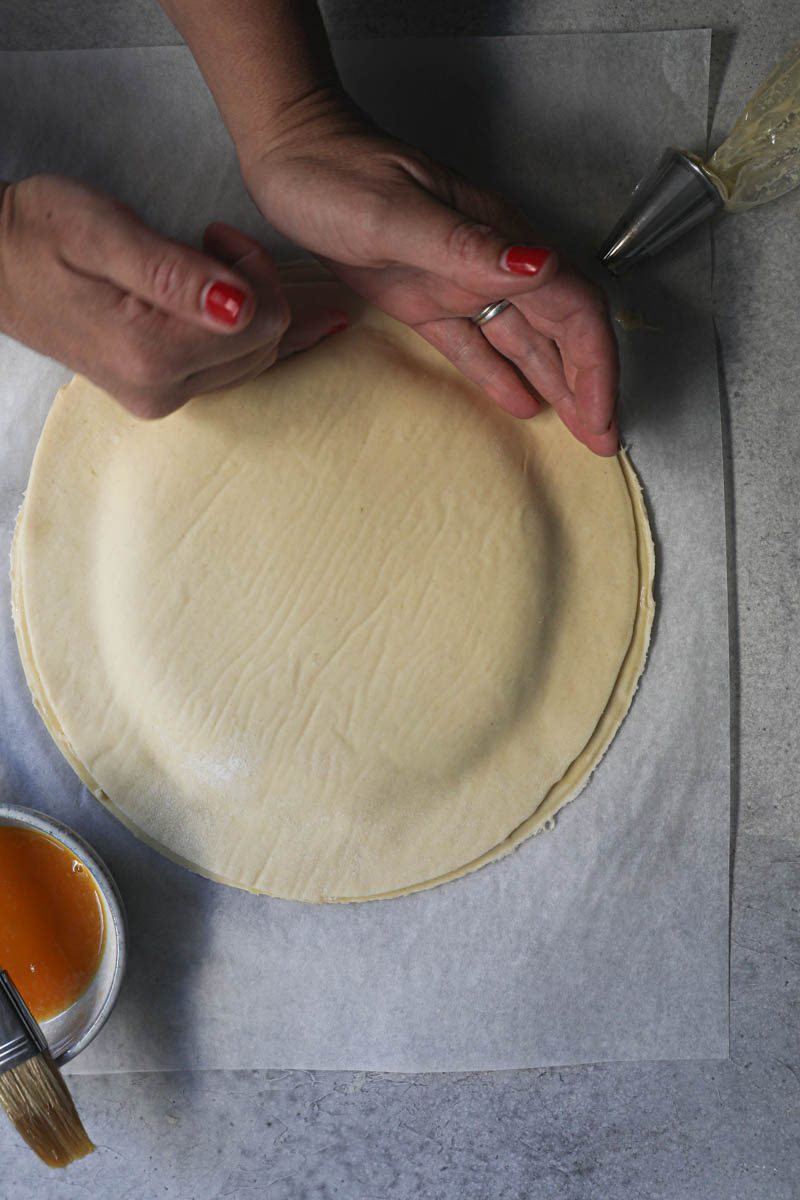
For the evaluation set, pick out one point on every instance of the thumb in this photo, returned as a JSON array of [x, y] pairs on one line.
[[427, 233], [167, 274]]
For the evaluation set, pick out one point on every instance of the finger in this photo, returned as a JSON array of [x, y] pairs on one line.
[[309, 328], [237, 249], [595, 390], [604, 444], [159, 346], [540, 362], [249, 256], [146, 358], [535, 355], [244, 367], [426, 233], [186, 349], [573, 313], [230, 374], [153, 383], [116, 245], [466, 348], [591, 349]]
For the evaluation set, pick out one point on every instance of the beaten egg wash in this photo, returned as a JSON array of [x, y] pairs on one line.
[[51, 921]]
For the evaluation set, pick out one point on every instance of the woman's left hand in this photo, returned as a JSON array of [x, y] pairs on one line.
[[431, 249]]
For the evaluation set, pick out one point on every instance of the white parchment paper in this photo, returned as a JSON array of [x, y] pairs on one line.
[[604, 939]]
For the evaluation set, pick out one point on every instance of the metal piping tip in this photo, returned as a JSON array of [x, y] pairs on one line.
[[672, 199]]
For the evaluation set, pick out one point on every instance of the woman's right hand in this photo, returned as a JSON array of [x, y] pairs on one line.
[[150, 320]]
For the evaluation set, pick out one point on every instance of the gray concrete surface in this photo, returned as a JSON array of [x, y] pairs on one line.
[[666, 1131]]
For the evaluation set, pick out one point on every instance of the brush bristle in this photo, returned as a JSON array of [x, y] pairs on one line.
[[39, 1104]]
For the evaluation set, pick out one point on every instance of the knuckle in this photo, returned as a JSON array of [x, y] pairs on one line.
[[467, 242], [167, 278], [80, 233], [426, 172], [41, 193], [67, 212], [463, 355]]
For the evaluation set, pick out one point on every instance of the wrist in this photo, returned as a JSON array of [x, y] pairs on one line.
[[300, 126]]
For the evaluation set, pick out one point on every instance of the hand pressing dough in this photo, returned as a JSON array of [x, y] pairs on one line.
[[344, 632]]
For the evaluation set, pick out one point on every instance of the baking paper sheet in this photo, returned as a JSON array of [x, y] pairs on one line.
[[604, 939]]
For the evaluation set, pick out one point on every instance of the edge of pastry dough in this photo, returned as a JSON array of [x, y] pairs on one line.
[[35, 685], [567, 788]]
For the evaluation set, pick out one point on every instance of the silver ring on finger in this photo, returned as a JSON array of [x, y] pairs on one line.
[[490, 312]]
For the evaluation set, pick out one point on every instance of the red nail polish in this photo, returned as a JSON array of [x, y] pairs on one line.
[[525, 260], [223, 302], [336, 329]]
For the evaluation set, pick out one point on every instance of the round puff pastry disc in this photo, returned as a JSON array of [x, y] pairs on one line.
[[344, 632]]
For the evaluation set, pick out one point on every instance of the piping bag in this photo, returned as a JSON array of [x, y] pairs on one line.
[[758, 162]]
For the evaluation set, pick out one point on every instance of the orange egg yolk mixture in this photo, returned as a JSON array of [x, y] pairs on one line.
[[51, 921]]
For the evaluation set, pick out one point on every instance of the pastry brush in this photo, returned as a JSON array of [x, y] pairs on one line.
[[32, 1090]]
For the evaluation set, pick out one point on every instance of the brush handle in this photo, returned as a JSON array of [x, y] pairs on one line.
[[20, 1036]]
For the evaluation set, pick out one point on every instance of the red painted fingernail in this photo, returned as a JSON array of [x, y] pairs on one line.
[[336, 329], [223, 302], [524, 260]]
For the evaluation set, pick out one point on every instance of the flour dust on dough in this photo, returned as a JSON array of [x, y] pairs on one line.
[[344, 632]]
